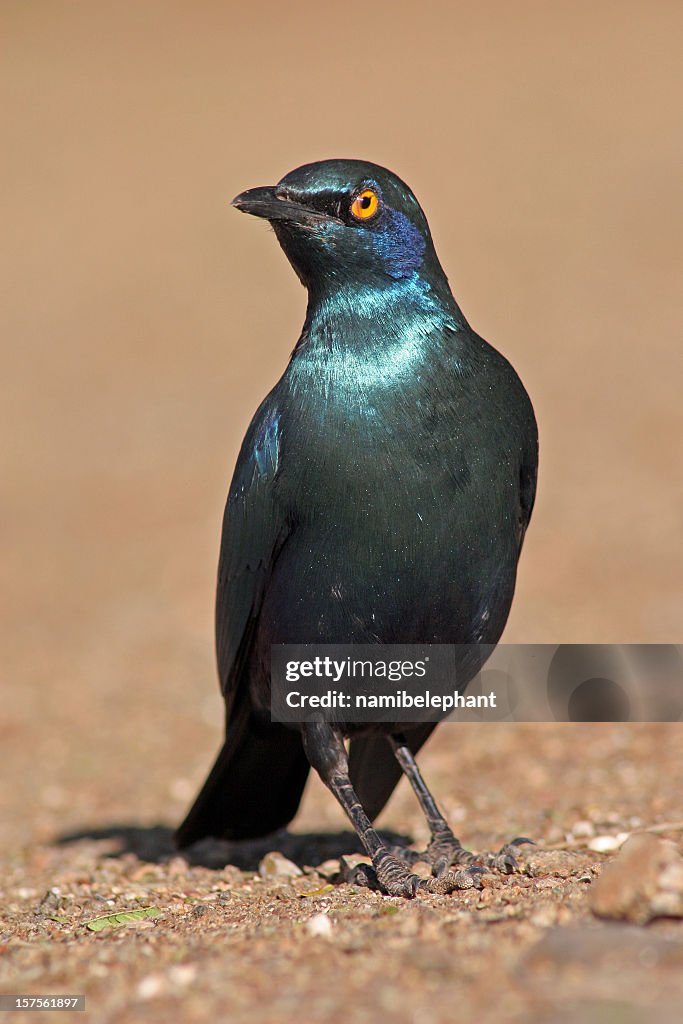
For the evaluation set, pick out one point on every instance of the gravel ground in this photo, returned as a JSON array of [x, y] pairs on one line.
[[238, 937]]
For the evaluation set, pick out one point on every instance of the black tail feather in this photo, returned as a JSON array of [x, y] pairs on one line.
[[254, 787]]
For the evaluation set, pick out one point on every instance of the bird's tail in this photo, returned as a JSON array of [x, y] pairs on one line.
[[374, 770], [254, 787]]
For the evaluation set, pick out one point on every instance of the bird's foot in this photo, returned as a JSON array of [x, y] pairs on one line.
[[391, 876], [446, 851], [504, 860]]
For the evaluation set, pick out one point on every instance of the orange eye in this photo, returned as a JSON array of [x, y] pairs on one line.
[[365, 205]]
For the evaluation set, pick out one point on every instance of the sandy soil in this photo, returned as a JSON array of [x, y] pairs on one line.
[[141, 323], [230, 943]]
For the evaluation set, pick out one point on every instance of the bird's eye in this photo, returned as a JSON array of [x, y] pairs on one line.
[[365, 205]]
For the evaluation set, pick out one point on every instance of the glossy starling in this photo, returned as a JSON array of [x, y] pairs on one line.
[[381, 495]]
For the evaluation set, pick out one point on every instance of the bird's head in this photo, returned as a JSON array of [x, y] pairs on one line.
[[347, 223]]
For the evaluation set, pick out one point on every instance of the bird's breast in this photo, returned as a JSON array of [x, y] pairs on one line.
[[396, 425]]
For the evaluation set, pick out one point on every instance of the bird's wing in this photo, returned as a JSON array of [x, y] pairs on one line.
[[528, 475], [254, 531], [257, 780]]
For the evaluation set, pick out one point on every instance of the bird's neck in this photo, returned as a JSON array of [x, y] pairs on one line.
[[371, 316]]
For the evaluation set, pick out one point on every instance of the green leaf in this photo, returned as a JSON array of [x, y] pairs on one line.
[[317, 892], [114, 920]]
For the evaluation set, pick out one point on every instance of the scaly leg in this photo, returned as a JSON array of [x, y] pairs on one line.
[[326, 752], [444, 849]]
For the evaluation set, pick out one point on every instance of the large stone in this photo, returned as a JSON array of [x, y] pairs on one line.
[[643, 882]]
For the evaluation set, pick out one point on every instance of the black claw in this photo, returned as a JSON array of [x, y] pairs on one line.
[[473, 871], [505, 859], [440, 867], [507, 864], [521, 841]]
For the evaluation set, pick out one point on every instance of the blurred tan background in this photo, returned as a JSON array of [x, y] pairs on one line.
[[143, 320]]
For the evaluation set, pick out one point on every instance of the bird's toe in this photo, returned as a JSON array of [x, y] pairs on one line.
[[450, 881], [505, 860], [395, 880]]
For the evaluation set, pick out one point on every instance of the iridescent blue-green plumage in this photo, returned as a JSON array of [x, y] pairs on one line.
[[382, 490]]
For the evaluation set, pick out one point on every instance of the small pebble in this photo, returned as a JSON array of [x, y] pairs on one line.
[[182, 974], [329, 869], [608, 844], [274, 865], [151, 985], [177, 867], [319, 926]]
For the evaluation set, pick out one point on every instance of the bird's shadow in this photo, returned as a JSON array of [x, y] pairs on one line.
[[154, 844]]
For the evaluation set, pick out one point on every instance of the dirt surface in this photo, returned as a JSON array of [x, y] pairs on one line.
[[230, 944], [142, 321]]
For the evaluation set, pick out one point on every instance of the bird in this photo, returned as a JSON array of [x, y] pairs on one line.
[[381, 495]]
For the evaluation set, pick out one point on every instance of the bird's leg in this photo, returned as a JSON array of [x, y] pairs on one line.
[[326, 752], [444, 849]]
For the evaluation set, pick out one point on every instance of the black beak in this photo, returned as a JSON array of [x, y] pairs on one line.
[[273, 205]]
